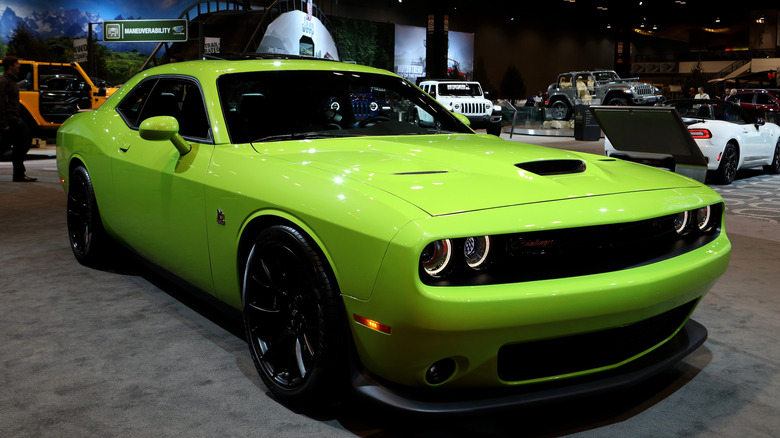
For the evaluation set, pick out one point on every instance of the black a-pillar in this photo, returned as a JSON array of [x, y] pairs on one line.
[[436, 39]]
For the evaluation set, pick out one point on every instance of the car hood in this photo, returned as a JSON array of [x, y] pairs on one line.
[[445, 174]]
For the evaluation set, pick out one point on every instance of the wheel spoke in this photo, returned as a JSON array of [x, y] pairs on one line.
[[299, 357], [281, 353]]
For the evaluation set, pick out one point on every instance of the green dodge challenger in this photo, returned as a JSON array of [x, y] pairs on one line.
[[424, 266]]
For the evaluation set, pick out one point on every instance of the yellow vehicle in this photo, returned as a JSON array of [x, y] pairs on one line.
[[52, 92]]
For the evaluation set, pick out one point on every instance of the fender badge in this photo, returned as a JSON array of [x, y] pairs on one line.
[[220, 217]]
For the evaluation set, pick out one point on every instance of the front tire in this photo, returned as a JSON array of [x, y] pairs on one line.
[[727, 170], [617, 101], [88, 239], [494, 129], [774, 168], [291, 316]]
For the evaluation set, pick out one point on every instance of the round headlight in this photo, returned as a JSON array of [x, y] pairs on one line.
[[436, 257], [681, 220], [476, 250], [334, 106], [373, 106], [704, 218], [457, 106]]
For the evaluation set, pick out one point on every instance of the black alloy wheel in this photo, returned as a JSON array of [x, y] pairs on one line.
[[85, 229], [774, 168], [291, 318], [727, 170], [559, 110]]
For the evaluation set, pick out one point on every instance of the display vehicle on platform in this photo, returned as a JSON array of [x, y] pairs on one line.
[[598, 86], [728, 138], [428, 268], [467, 98]]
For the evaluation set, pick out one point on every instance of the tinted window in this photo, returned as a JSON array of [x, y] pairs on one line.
[[280, 105], [174, 97], [764, 99], [745, 97]]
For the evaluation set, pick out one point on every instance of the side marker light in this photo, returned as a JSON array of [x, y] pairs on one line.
[[374, 325]]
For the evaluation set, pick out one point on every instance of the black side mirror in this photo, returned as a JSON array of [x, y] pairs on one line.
[[760, 122]]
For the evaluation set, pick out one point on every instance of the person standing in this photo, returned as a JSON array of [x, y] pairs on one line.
[[14, 133], [702, 94]]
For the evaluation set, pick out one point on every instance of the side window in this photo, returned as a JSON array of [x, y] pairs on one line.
[[764, 99], [565, 81], [746, 97], [131, 106], [174, 97]]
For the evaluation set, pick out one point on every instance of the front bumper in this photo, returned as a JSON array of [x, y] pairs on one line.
[[647, 100], [369, 388], [472, 326], [479, 122]]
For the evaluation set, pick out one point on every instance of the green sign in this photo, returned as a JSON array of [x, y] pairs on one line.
[[159, 31]]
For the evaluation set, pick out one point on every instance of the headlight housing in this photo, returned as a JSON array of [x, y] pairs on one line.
[[568, 252]]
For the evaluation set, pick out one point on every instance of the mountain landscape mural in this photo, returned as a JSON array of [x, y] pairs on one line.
[[49, 18]]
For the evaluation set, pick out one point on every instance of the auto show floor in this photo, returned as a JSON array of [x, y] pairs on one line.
[[121, 352]]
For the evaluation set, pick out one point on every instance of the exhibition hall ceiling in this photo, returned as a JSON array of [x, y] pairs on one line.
[[551, 13]]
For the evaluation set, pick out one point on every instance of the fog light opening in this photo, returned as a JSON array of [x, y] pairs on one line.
[[440, 371]]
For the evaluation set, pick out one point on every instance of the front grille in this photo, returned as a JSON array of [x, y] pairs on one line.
[[361, 108], [473, 108], [555, 357], [644, 90]]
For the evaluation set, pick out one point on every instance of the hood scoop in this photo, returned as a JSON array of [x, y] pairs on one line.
[[553, 167]]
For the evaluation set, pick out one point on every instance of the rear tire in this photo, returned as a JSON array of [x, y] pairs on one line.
[[727, 170], [559, 110], [774, 168], [88, 239]]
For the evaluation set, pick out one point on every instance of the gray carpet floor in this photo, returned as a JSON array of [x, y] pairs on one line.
[[122, 353]]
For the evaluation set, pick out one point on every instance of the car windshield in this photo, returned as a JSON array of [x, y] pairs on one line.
[[606, 76], [291, 105], [709, 110], [460, 89]]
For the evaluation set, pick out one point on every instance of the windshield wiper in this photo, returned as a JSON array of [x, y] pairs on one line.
[[302, 136]]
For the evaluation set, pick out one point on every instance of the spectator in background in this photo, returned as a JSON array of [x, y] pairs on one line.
[[732, 97], [14, 133], [701, 94]]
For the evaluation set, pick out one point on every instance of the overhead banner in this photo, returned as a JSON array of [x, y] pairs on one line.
[[158, 31]]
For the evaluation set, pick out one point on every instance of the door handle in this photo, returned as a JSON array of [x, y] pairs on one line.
[[124, 148]]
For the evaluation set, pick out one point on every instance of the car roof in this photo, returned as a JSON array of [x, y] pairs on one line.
[[218, 67]]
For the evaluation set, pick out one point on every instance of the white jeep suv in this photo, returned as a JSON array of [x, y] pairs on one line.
[[467, 98]]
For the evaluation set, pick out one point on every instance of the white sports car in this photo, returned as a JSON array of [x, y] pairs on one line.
[[728, 138]]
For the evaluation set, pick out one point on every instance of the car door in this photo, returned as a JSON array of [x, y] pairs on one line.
[[159, 192], [764, 104], [746, 102], [752, 142]]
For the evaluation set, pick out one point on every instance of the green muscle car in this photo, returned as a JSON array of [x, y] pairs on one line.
[[423, 266]]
